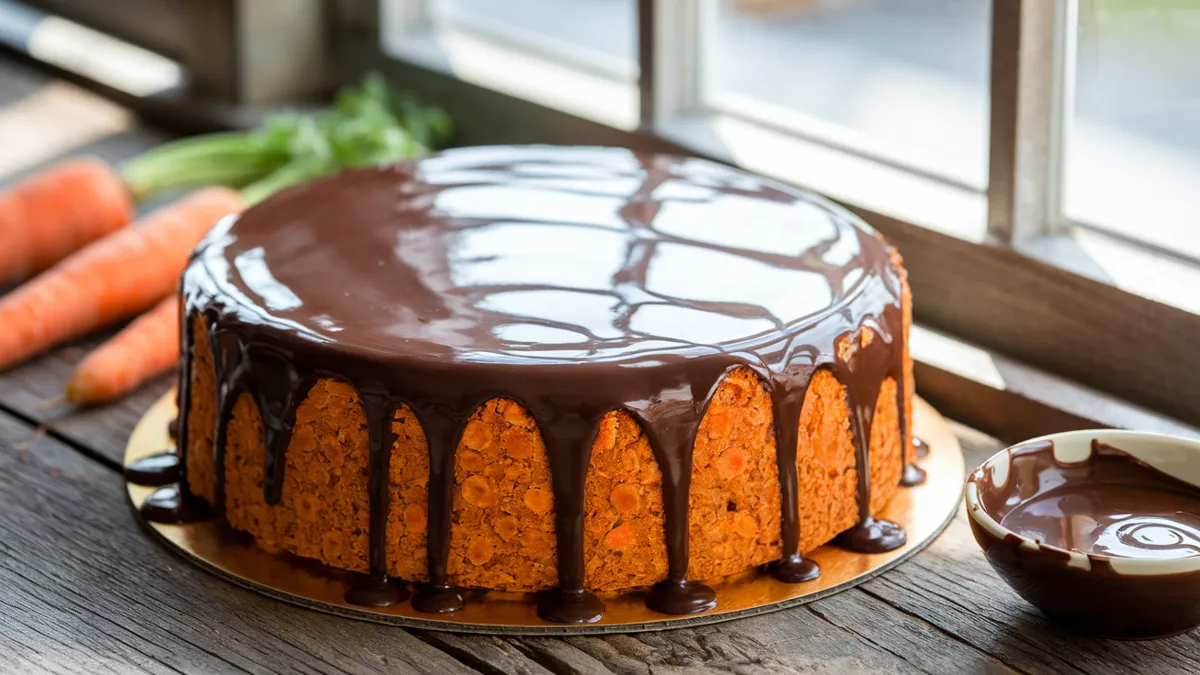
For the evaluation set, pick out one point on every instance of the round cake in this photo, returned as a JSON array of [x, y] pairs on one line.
[[574, 371]]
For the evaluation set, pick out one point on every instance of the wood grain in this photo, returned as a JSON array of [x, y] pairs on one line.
[[82, 589], [102, 431]]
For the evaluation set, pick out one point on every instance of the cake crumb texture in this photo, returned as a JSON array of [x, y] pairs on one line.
[[734, 512], [502, 522], [624, 541]]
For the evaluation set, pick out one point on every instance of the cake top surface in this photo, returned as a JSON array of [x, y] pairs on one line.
[[519, 254]]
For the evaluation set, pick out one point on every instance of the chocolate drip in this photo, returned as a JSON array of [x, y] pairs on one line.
[[277, 390], [910, 474], [378, 590], [567, 432], [672, 442], [178, 504], [573, 281], [442, 422], [862, 375], [169, 505], [155, 470], [227, 365], [788, 390], [914, 475], [439, 598]]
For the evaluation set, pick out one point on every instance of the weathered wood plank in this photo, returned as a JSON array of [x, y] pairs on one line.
[[82, 589], [850, 632], [488, 654], [25, 390]]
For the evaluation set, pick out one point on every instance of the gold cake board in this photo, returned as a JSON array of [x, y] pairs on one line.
[[924, 511]]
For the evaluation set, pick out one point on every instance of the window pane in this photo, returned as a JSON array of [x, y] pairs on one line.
[[601, 33], [903, 80], [1133, 158]]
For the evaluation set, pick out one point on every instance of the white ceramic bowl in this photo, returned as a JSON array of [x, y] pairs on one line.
[[1105, 595]]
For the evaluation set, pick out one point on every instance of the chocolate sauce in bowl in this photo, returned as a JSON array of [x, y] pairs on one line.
[[1112, 505], [1084, 518], [575, 281]]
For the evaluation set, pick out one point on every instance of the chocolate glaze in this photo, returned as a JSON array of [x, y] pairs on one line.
[[920, 448], [914, 475], [169, 505], [1110, 506], [377, 591], [155, 470], [575, 281], [439, 599]]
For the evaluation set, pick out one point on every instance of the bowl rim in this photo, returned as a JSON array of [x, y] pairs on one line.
[[1118, 437]]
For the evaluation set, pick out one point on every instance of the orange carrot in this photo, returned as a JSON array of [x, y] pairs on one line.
[[46, 216], [144, 349], [111, 279]]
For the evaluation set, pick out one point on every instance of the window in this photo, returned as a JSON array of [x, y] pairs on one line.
[[1133, 158], [597, 33], [574, 55], [905, 82]]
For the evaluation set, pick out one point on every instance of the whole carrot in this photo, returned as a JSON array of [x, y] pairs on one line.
[[111, 279], [144, 349], [56, 211]]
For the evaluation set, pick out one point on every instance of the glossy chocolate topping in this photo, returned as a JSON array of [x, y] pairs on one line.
[[574, 281], [1089, 518]]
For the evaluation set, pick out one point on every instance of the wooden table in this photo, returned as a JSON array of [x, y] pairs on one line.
[[83, 589]]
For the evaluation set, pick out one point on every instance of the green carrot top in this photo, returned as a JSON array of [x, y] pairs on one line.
[[367, 125]]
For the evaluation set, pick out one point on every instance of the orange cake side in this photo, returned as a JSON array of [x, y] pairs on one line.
[[502, 526]]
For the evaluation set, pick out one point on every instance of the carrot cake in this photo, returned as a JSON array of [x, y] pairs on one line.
[[569, 371]]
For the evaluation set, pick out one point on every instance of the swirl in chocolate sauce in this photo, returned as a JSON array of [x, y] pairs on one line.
[[574, 281], [1110, 504]]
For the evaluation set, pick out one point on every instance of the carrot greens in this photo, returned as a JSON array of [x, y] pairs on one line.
[[369, 124]]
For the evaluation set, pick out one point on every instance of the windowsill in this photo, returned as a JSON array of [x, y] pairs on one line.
[[1013, 401], [1121, 264]]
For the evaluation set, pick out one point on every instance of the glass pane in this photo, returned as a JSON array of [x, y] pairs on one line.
[[903, 80], [1133, 154], [601, 33]]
